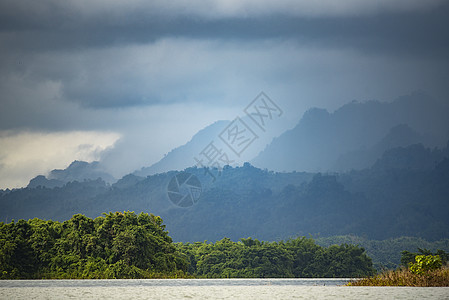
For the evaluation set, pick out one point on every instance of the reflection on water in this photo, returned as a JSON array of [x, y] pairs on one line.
[[208, 289]]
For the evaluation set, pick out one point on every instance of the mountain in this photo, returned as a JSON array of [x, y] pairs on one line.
[[183, 156], [76, 171], [414, 157], [353, 135], [392, 181], [81, 170], [42, 181], [405, 193], [197, 150], [399, 136]]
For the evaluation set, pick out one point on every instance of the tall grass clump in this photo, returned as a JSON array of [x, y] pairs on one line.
[[427, 271]]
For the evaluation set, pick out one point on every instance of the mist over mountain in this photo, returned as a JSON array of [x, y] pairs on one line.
[[195, 151], [183, 156], [76, 171], [356, 134], [42, 181], [399, 136], [414, 157], [352, 137]]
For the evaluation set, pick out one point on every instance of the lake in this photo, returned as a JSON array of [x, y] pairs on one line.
[[208, 289]]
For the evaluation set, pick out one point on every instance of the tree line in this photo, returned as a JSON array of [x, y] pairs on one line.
[[388, 254], [251, 258], [115, 245], [129, 245]]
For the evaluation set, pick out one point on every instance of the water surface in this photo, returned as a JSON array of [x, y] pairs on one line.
[[208, 289]]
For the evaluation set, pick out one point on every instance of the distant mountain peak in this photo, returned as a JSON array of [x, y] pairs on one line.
[[76, 171], [42, 181], [80, 170], [320, 138], [315, 114], [412, 157], [183, 156]]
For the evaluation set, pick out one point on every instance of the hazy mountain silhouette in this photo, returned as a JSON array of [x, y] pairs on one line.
[[413, 157], [183, 156], [76, 171], [80, 170], [324, 141], [398, 136], [42, 181], [352, 137]]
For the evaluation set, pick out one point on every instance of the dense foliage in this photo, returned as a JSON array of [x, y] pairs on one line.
[[299, 257], [408, 257], [425, 263], [126, 245], [393, 252], [116, 245]]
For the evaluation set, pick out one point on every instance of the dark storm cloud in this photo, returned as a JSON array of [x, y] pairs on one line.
[[69, 42], [421, 32]]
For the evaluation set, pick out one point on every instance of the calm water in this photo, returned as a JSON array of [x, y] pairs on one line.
[[208, 289]]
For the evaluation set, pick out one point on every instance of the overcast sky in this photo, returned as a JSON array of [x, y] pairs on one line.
[[124, 82]]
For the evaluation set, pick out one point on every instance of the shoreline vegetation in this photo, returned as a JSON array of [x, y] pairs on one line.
[[125, 245], [128, 245], [404, 277], [423, 270]]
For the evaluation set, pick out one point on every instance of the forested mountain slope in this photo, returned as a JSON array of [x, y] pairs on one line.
[[405, 193]]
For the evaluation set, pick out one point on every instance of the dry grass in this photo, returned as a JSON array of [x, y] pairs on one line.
[[404, 277]]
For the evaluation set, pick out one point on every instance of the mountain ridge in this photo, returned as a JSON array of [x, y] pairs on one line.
[[320, 138]]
